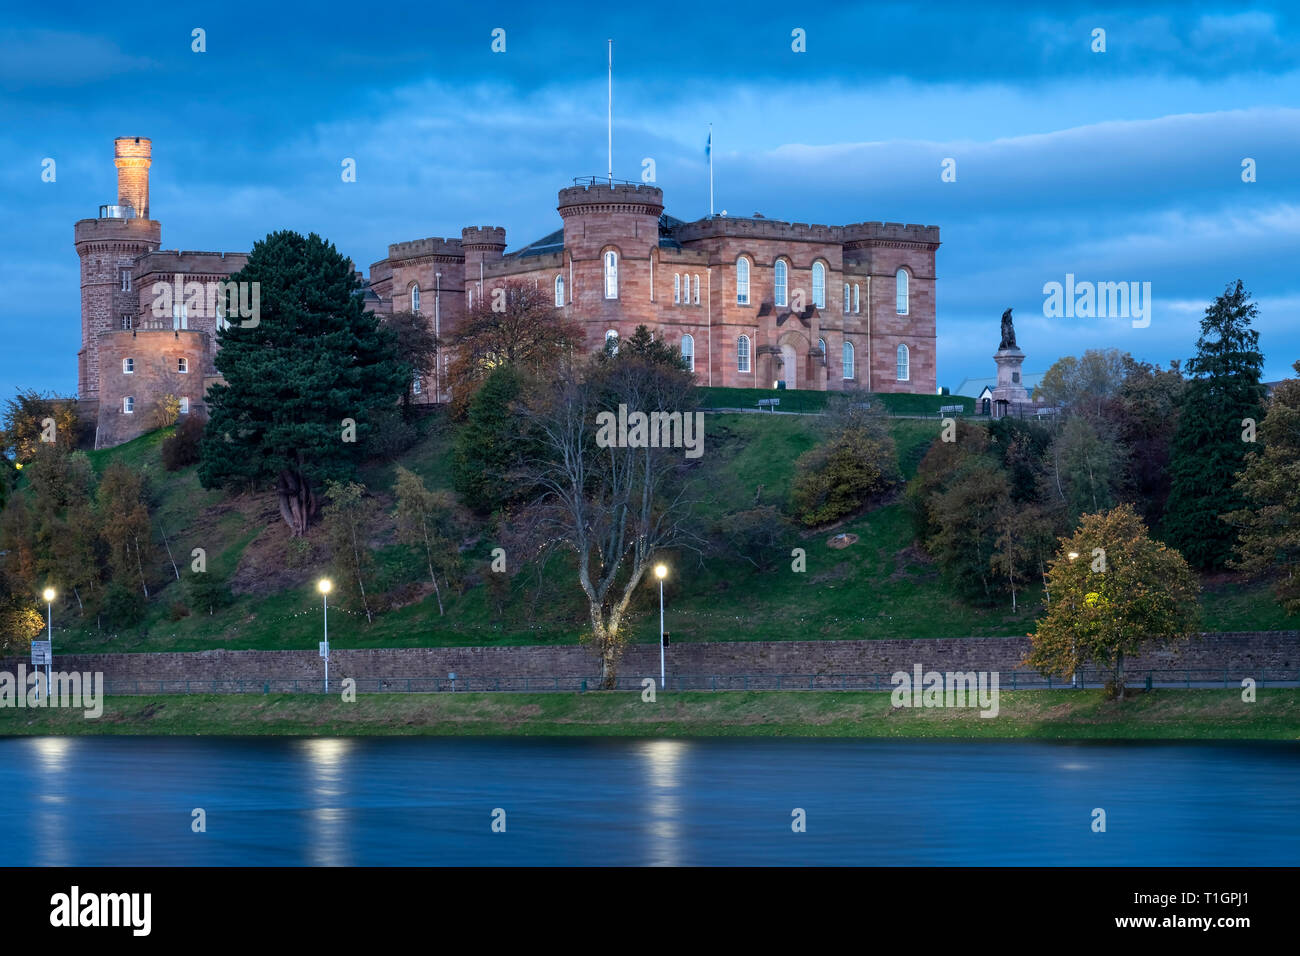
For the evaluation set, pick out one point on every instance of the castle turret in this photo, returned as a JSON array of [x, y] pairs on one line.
[[480, 245], [610, 236], [108, 247]]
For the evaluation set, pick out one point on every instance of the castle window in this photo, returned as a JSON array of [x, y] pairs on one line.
[[819, 285], [742, 354], [180, 318], [846, 298], [124, 276], [688, 351], [857, 300], [611, 275], [900, 286], [821, 344], [677, 288], [559, 291], [185, 406], [128, 366], [182, 365], [611, 342], [127, 322], [415, 385], [904, 364], [415, 298], [742, 281], [471, 299], [848, 360], [780, 275], [128, 405], [697, 290]]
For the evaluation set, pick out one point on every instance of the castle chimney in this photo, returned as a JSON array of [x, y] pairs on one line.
[[133, 155]]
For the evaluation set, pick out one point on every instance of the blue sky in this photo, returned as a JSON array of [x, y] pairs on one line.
[[1115, 166]]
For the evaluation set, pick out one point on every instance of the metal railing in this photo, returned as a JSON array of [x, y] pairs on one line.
[[1007, 680]]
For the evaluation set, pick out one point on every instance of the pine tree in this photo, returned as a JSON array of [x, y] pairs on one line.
[[1210, 444], [305, 382]]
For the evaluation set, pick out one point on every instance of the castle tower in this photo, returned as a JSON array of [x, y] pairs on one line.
[[600, 219], [481, 245], [108, 247]]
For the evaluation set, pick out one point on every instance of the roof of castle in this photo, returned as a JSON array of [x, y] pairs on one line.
[[549, 243]]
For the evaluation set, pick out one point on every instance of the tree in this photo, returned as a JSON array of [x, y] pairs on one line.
[[936, 470], [418, 345], [517, 325], [1221, 404], [966, 516], [1084, 468], [1022, 540], [490, 443], [181, 448], [32, 419], [1121, 593], [66, 528], [1083, 384], [838, 477], [20, 618], [206, 592], [1145, 417], [1269, 485], [346, 520], [304, 384], [615, 505], [124, 526], [425, 521], [754, 535]]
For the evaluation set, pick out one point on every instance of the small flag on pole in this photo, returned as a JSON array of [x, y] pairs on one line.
[[708, 146]]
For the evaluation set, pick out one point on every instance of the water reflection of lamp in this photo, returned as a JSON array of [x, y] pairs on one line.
[[663, 759]]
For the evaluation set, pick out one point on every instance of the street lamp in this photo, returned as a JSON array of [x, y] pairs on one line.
[[1074, 674], [323, 586], [48, 594], [661, 572]]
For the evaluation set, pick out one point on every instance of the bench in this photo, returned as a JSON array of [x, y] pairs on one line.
[[952, 410], [769, 403]]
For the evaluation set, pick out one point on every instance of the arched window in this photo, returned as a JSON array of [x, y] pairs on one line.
[[742, 354], [688, 351], [742, 281], [415, 385], [677, 288], [900, 286], [819, 285], [848, 359], [821, 344], [128, 366], [611, 274], [697, 290], [780, 275], [415, 298], [611, 342], [857, 299], [559, 291], [846, 298], [904, 364], [471, 299]]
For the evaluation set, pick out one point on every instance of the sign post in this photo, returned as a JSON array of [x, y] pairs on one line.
[[42, 652]]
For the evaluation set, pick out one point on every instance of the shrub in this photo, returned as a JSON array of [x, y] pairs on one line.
[[182, 447], [837, 478]]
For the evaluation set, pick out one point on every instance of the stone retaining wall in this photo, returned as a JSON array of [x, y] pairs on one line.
[[1240, 654]]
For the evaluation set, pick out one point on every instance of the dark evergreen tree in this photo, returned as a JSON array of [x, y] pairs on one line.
[[1211, 441], [488, 444], [306, 379]]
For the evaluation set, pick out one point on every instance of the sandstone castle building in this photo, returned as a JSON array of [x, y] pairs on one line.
[[751, 302]]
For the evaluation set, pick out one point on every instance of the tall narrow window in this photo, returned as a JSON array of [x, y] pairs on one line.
[[559, 291], [180, 317], [904, 364], [415, 298], [846, 298], [611, 275], [183, 365], [611, 342], [780, 280], [185, 406], [819, 285], [848, 360], [697, 290], [688, 351], [900, 284], [677, 288], [742, 281], [415, 385], [742, 354], [471, 299], [821, 344], [124, 276], [128, 366], [128, 404], [127, 322], [857, 300]]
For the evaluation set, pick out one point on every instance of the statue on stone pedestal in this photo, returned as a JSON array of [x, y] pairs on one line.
[[1008, 332]]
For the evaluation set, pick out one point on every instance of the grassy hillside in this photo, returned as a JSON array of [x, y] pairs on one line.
[[882, 586]]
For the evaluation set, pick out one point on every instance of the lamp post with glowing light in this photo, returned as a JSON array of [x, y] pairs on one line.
[[661, 572], [49, 634], [323, 586]]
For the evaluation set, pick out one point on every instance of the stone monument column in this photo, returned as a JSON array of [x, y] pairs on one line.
[[1009, 391]]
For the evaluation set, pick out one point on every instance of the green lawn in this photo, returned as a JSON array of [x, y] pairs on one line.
[[1041, 714]]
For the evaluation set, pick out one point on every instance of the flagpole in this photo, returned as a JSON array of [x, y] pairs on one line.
[[710, 170], [611, 113]]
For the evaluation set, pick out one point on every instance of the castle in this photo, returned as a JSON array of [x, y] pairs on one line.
[[751, 302]]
